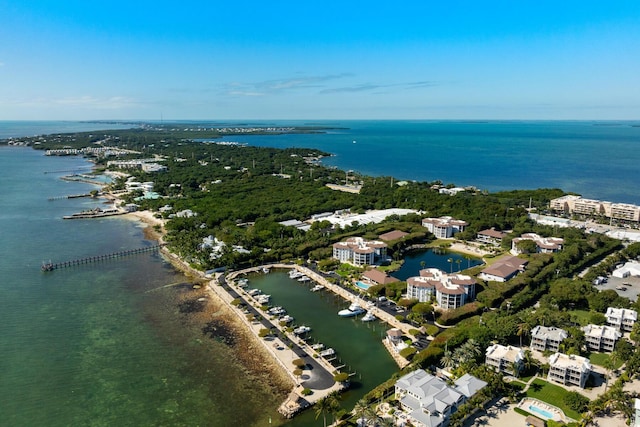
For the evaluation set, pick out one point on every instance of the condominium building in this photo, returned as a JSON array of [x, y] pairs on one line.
[[428, 401], [491, 236], [357, 251], [577, 205], [507, 359], [545, 338], [503, 269], [450, 290], [444, 227], [622, 319], [569, 369], [601, 338]]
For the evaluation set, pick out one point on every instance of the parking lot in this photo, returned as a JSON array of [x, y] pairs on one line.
[[632, 285]]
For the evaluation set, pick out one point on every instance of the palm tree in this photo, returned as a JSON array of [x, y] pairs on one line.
[[458, 261], [450, 261], [523, 329], [322, 407], [334, 404], [447, 360], [360, 409]]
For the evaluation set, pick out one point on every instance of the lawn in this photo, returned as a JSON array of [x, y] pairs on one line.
[[600, 359], [583, 317], [552, 394]]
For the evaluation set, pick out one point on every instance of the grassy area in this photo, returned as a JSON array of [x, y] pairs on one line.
[[600, 359], [581, 316], [553, 395]]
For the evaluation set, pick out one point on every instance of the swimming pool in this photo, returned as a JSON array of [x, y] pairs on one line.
[[362, 285], [540, 411]]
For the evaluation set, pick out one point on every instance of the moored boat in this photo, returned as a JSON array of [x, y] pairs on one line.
[[328, 352], [317, 288], [301, 330], [353, 310], [368, 317]]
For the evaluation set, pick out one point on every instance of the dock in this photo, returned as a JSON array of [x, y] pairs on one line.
[[50, 266], [70, 196]]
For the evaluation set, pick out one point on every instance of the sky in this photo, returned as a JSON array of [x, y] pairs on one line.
[[234, 60]]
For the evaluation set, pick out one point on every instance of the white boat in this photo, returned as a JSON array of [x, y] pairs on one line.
[[317, 288], [353, 310], [328, 352], [303, 279], [253, 292], [263, 299], [286, 319], [265, 270], [243, 283], [301, 330], [277, 311], [294, 274], [368, 317], [317, 347]]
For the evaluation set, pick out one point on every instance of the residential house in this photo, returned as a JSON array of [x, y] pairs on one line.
[[450, 290], [569, 369], [601, 338], [507, 359], [503, 269], [444, 227], [547, 338], [377, 277], [394, 339], [428, 401], [545, 245], [622, 319], [491, 237]]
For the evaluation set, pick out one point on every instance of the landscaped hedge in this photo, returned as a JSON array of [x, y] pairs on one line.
[[451, 317]]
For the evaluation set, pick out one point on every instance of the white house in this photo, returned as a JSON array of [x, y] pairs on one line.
[[428, 401], [547, 338], [601, 338], [544, 245], [357, 251], [503, 269], [507, 359]]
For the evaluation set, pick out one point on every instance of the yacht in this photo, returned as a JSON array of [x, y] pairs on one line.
[[317, 347], [317, 288], [353, 310], [277, 311], [301, 330], [368, 317], [294, 274], [286, 319], [328, 352]]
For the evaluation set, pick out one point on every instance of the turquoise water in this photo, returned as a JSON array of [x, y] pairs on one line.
[[596, 159], [542, 412], [362, 285], [102, 344]]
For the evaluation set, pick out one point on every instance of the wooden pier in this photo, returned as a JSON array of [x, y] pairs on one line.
[[70, 196], [98, 258]]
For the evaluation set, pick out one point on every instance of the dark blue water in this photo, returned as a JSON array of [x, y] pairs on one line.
[[596, 160], [434, 258]]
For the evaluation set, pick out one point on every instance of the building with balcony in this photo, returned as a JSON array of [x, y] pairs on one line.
[[601, 338], [507, 359], [545, 338], [444, 227], [503, 269], [622, 319], [357, 251], [544, 245], [449, 290], [569, 369], [428, 401]]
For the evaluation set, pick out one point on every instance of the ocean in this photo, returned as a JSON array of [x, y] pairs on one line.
[[598, 160], [110, 344]]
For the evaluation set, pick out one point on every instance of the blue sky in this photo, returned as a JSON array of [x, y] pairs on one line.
[[82, 60]]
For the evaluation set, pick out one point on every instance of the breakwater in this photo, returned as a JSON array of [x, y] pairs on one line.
[[50, 266]]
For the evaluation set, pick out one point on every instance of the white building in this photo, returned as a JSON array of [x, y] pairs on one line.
[[547, 338], [503, 269], [569, 369], [450, 290], [428, 401], [507, 359], [578, 205], [631, 268], [621, 318], [601, 338], [545, 245], [444, 227], [357, 251]]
